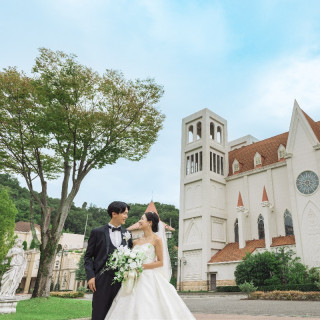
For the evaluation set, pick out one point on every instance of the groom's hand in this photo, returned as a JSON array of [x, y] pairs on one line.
[[92, 284]]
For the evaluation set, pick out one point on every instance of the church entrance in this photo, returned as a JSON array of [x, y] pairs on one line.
[[213, 281]]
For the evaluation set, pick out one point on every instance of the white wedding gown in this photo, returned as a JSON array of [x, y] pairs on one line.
[[153, 297]]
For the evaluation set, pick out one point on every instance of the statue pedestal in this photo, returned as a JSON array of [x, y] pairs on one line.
[[8, 305]]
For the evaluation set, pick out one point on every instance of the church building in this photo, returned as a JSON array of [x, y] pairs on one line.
[[245, 196]]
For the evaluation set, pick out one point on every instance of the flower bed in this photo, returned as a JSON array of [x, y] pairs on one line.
[[68, 294], [285, 295]]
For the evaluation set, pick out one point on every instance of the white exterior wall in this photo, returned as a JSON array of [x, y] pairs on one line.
[[306, 208], [71, 241], [281, 198], [208, 201], [224, 270], [202, 230]]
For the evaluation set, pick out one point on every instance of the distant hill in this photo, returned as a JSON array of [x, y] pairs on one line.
[[76, 220]]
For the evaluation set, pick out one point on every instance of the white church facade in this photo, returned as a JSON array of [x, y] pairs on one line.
[[245, 196]]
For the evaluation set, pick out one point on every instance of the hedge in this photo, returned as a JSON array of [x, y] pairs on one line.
[[228, 289], [288, 287], [285, 295], [69, 294], [299, 287]]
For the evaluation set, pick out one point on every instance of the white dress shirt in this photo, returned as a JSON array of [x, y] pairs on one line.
[[115, 236]]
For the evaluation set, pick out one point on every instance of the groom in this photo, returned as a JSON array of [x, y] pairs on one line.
[[102, 242]]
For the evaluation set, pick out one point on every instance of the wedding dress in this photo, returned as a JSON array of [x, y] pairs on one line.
[[153, 297]]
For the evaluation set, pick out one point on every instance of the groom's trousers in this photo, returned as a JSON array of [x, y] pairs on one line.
[[104, 295]]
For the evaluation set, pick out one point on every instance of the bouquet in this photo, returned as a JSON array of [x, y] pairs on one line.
[[128, 263]]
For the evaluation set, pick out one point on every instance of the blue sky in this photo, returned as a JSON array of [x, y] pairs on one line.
[[245, 60]]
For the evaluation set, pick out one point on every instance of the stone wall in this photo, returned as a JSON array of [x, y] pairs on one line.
[[222, 283], [194, 285]]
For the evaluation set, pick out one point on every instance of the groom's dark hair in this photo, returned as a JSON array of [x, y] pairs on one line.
[[117, 207]]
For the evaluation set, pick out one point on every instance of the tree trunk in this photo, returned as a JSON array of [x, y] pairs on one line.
[[47, 259], [49, 245]]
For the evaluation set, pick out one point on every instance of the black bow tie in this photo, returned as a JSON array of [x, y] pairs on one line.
[[114, 229]]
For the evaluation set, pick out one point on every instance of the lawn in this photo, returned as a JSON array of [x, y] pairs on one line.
[[50, 309]]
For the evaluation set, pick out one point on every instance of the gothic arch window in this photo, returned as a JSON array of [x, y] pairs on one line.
[[288, 224], [236, 231], [235, 166], [281, 152], [190, 134], [212, 130], [219, 134], [198, 130], [261, 227], [257, 159]]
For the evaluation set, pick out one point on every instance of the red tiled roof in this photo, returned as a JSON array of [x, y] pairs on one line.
[[315, 126], [151, 207], [136, 226], [25, 226], [268, 149], [283, 241], [240, 202], [264, 195], [231, 251]]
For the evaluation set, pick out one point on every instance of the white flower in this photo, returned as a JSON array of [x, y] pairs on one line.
[[133, 255], [127, 236], [133, 265]]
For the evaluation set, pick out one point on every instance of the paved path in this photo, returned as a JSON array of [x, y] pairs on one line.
[[245, 317], [237, 307]]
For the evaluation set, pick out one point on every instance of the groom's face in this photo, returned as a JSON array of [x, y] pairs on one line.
[[120, 218]]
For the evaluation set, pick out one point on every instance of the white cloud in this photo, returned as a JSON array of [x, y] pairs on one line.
[[277, 84]]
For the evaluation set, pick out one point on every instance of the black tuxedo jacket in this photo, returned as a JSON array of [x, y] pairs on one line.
[[99, 248]]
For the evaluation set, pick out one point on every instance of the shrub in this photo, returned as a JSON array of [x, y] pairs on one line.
[[83, 289], [285, 295], [274, 269], [25, 245], [70, 294], [173, 281], [257, 268], [286, 287], [247, 287], [314, 275]]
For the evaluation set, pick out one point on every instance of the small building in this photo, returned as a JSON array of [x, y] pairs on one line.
[[66, 260]]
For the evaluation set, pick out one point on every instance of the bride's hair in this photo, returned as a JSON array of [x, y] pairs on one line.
[[154, 218]]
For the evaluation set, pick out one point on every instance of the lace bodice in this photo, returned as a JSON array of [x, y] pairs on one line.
[[149, 251]]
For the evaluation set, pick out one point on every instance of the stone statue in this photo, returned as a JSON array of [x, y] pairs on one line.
[[12, 277]]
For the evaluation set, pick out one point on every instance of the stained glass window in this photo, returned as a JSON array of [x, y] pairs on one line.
[[307, 182]]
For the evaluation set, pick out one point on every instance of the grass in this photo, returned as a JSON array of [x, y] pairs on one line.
[[50, 309]]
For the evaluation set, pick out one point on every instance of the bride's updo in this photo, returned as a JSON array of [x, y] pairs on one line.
[[154, 218]]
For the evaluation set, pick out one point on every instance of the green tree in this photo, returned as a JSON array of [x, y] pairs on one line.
[[67, 120], [257, 268], [7, 217], [272, 268], [81, 271]]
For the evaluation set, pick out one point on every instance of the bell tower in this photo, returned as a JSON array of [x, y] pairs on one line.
[[203, 219]]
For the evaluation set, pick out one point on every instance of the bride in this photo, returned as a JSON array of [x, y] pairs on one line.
[[153, 297]]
